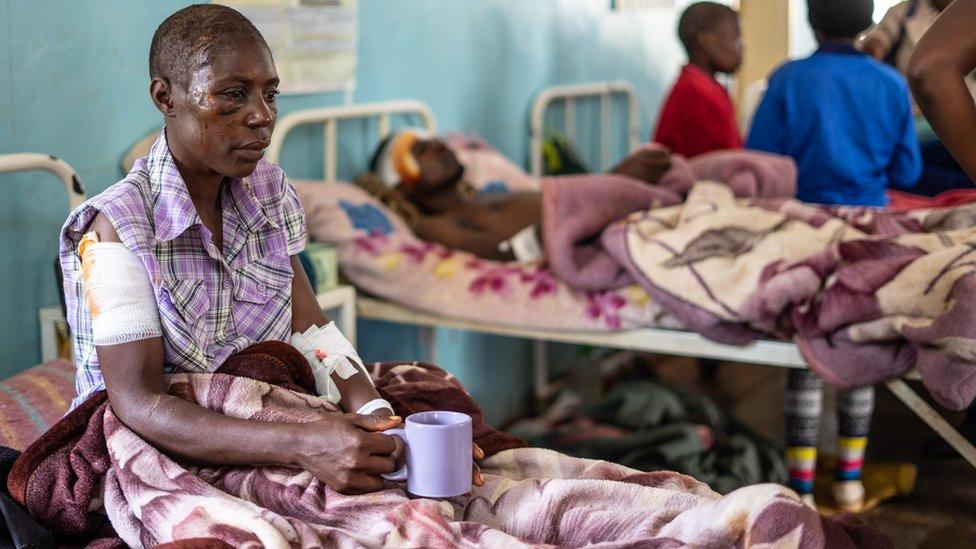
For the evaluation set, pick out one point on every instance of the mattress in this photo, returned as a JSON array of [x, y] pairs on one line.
[[381, 257], [33, 400]]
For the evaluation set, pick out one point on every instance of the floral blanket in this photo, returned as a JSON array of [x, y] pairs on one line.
[[92, 476], [866, 294], [428, 277]]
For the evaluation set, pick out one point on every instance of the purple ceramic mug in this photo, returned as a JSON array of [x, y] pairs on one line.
[[438, 454]]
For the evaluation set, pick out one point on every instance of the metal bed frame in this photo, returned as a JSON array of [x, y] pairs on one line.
[[569, 95], [18, 162], [329, 117], [652, 340]]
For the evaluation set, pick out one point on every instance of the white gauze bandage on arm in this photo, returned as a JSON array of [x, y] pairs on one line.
[[525, 245], [328, 352], [119, 294]]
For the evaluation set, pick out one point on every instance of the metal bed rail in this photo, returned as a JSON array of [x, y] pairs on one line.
[[605, 91], [18, 162], [330, 117]]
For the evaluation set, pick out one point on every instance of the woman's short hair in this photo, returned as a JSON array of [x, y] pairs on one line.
[[189, 38]]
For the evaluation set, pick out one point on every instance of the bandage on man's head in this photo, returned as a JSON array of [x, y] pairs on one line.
[[394, 161], [416, 163]]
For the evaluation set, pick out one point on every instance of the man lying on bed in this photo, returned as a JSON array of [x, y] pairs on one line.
[[192, 258], [420, 178]]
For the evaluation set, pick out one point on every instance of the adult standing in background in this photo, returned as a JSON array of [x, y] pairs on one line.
[[943, 60], [893, 41]]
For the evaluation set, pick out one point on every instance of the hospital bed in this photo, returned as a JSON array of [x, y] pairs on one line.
[[645, 339], [35, 399]]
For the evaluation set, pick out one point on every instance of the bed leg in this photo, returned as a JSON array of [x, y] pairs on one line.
[[934, 420], [428, 338], [540, 370]]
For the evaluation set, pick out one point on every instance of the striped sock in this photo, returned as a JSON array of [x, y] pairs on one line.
[[850, 457], [854, 410], [801, 462], [804, 404]]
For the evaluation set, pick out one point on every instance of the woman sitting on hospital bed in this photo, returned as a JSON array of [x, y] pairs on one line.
[[192, 258], [421, 178]]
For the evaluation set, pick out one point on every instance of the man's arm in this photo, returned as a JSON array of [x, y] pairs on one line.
[[447, 232], [937, 74]]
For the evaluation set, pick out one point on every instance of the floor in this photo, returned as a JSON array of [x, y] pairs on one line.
[[940, 513]]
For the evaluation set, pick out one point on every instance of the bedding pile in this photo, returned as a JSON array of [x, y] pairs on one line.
[[865, 293], [577, 209], [90, 476]]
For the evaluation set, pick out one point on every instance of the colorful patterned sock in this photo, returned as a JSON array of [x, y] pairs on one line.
[[854, 410], [804, 405], [801, 464]]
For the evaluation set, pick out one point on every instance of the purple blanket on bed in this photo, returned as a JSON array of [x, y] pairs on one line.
[[866, 294], [576, 209]]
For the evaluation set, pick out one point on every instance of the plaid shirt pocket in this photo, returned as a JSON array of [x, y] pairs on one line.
[[261, 280], [191, 301]]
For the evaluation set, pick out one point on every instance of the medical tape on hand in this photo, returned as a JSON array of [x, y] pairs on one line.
[[328, 352], [373, 405], [119, 294]]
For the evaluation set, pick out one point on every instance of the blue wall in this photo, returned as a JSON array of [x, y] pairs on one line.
[[74, 80]]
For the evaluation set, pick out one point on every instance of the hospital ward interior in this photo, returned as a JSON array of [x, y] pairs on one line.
[[488, 273]]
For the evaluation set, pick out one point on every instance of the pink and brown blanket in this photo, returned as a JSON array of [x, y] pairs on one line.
[[866, 294], [576, 209], [92, 478]]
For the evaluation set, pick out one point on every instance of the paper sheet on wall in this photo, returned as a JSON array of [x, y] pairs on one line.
[[625, 5], [313, 41]]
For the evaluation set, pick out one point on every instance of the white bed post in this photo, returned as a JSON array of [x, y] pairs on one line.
[[540, 371], [605, 130], [329, 156], [18, 162], [571, 120], [605, 91], [633, 120]]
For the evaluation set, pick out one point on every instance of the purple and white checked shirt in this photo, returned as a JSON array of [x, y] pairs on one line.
[[212, 303]]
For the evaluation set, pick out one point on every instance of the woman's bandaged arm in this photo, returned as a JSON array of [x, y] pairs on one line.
[[118, 292], [340, 375], [133, 373]]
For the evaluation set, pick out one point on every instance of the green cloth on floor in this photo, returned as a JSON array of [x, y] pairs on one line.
[[649, 426]]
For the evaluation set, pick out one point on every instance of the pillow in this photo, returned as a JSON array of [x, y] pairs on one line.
[[340, 212], [487, 169]]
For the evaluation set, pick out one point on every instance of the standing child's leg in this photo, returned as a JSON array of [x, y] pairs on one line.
[[854, 411], [804, 405]]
